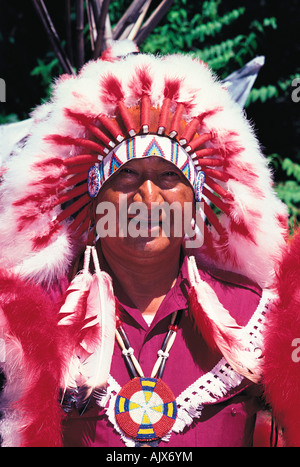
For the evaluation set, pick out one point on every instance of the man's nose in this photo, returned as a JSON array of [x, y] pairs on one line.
[[147, 193]]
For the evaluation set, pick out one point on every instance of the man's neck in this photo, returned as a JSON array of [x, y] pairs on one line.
[[146, 282]]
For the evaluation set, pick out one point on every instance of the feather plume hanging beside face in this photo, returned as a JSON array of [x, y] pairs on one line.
[[219, 329], [88, 316]]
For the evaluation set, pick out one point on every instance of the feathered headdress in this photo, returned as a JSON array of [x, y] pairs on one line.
[[48, 190], [139, 106]]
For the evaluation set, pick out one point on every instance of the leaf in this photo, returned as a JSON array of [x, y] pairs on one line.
[[288, 192], [291, 168]]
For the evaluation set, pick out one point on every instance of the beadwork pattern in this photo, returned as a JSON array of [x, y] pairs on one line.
[[145, 409]]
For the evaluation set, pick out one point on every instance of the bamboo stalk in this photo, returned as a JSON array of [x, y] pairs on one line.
[[139, 21], [79, 33], [101, 28], [153, 20], [92, 24], [96, 6], [126, 31], [96, 9], [129, 17], [69, 30], [107, 38], [53, 36]]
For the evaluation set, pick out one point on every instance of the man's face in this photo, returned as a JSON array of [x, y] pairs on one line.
[[153, 202]]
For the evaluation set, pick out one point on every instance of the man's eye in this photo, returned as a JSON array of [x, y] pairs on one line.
[[170, 173], [127, 171]]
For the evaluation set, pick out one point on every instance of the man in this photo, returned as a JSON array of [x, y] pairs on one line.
[[159, 343]]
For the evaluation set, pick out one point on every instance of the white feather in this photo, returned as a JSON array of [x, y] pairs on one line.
[[91, 358], [95, 369], [238, 353]]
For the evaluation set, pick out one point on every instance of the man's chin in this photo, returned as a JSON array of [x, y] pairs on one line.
[[147, 246]]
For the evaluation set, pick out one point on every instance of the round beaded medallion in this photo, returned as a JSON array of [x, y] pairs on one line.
[[145, 409]]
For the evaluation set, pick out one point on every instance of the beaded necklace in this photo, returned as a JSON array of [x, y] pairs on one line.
[[145, 408]]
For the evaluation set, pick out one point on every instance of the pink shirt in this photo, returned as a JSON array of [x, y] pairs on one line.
[[230, 420]]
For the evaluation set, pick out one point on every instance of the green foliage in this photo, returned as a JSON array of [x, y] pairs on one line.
[[288, 190], [201, 32], [46, 70], [271, 91], [262, 94], [186, 30], [289, 193], [11, 118], [291, 168]]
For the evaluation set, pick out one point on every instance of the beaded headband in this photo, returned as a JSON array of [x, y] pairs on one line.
[[145, 146]]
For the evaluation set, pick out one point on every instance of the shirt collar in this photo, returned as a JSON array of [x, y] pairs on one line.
[[177, 297]]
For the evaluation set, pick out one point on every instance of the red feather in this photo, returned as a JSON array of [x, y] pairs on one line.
[[31, 319], [112, 91], [141, 83], [89, 309], [172, 87], [281, 363], [219, 329], [42, 240], [242, 229], [66, 140]]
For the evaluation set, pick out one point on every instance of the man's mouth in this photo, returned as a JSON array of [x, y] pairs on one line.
[[145, 226], [145, 222]]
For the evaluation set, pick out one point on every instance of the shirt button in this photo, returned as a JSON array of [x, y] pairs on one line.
[[233, 412]]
